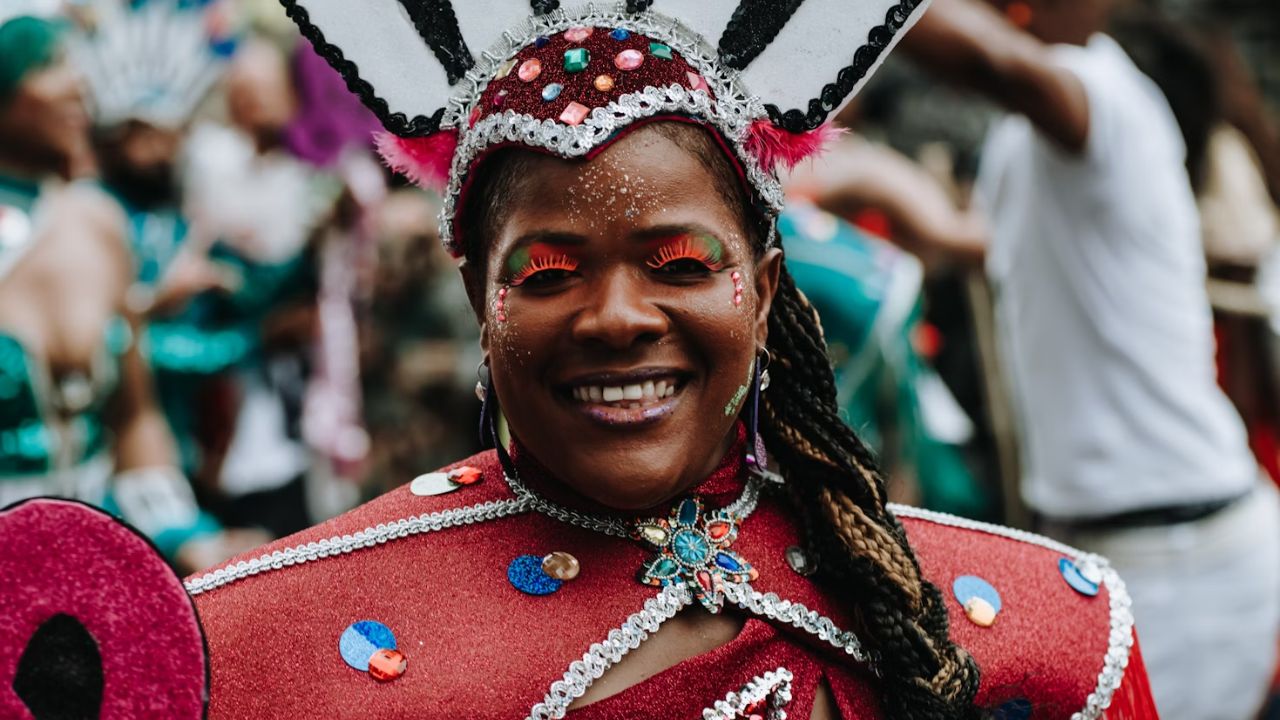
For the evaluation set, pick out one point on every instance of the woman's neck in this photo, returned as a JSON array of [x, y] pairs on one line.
[[721, 486]]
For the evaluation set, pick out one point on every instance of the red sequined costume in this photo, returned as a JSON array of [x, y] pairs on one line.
[[434, 570]]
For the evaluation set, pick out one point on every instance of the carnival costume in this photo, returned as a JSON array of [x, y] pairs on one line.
[[53, 435], [489, 590]]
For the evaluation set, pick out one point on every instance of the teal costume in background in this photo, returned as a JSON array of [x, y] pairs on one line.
[[868, 294], [214, 333], [53, 438]]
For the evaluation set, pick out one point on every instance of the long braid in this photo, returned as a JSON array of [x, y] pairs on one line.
[[862, 547]]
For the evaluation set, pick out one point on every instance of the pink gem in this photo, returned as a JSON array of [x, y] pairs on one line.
[[574, 113], [629, 60], [475, 115], [500, 98], [696, 82], [530, 70], [578, 34]]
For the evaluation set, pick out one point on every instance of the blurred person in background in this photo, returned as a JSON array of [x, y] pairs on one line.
[[1130, 448], [868, 294], [77, 418]]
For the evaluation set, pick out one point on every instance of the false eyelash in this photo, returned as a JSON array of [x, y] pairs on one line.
[[687, 247], [540, 263]]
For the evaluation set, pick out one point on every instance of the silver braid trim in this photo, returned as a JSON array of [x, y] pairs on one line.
[[671, 600], [1121, 637], [731, 112], [740, 508], [604, 655], [342, 544], [771, 606], [775, 685]]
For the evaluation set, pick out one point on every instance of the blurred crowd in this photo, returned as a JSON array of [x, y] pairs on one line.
[[223, 318]]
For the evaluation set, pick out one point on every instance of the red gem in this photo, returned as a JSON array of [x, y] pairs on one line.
[[466, 475], [704, 579], [475, 116], [718, 530], [696, 82], [387, 665], [500, 98]]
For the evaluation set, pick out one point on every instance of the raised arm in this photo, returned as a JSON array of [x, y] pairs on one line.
[[968, 43]]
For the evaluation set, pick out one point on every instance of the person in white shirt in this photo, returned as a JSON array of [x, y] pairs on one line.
[[1130, 449]]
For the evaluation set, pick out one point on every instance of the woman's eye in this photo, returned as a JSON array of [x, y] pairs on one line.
[[542, 278], [683, 266]]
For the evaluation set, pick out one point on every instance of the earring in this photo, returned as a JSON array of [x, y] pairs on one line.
[[482, 392], [764, 371]]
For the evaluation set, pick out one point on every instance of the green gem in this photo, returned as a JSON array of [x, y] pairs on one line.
[[663, 567], [659, 50], [576, 60], [687, 515]]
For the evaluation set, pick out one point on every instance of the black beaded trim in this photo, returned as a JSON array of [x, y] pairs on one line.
[[396, 122], [438, 26], [638, 6], [542, 7], [833, 94], [754, 24]]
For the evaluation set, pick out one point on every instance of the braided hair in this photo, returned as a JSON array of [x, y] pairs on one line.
[[837, 491]]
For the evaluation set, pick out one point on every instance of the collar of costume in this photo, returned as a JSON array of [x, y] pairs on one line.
[[691, 539], [451, 82]]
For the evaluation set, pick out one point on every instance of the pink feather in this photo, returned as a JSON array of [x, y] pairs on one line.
[[425, 161], [776, 148]]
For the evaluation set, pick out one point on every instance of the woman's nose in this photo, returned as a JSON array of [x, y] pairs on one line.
[[620, 313]]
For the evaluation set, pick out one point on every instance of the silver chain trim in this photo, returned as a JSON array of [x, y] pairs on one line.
[[732, 111], [775, 682], [793, 613], [604, 655], [1120, 639], [341, 544], [740, 508]]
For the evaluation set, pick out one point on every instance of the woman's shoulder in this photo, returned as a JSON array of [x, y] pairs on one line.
[[1048, 624]]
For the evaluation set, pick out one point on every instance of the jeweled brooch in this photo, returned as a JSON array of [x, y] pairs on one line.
[[693, 548]]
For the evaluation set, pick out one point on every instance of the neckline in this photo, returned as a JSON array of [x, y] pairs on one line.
[[729, 486]]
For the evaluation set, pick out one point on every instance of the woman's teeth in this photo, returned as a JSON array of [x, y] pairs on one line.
[[625, 393]]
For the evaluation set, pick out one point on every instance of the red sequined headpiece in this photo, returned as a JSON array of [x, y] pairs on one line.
[[570, 82]]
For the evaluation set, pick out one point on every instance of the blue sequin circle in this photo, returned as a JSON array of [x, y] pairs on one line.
[[361, 640], [971, 586], [690, 548], [1078, 582], [551, 91], [1019, 709], [527, 576]]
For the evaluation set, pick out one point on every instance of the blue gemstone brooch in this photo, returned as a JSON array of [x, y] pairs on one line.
[[693, 548]]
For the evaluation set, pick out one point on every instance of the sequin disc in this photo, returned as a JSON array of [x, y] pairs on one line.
[[971, 586], [526, 575], [1076, 579], [1019, 709], [433, 483], [800, 561], [980, 612], [361, 640]]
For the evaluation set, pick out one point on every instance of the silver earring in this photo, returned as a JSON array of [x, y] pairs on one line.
[[481, 392], [764, 372]]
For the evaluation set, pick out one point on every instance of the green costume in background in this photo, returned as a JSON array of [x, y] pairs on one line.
[[868, 294]]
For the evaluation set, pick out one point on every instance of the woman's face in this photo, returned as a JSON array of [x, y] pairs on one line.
[[623, 307], [45, 122]]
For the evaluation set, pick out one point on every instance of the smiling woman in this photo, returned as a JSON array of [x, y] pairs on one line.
[[681, 525]]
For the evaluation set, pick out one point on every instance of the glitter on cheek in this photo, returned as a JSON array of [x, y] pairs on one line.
[[500, 304], [737, 288]]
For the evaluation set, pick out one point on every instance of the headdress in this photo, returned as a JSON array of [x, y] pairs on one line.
[[152, 61], [452, 81], [30, 37]]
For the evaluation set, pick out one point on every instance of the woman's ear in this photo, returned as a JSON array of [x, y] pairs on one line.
[[768, 273]]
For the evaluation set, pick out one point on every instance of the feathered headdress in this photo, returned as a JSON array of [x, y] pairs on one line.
[[153, 61], [450, 81]]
